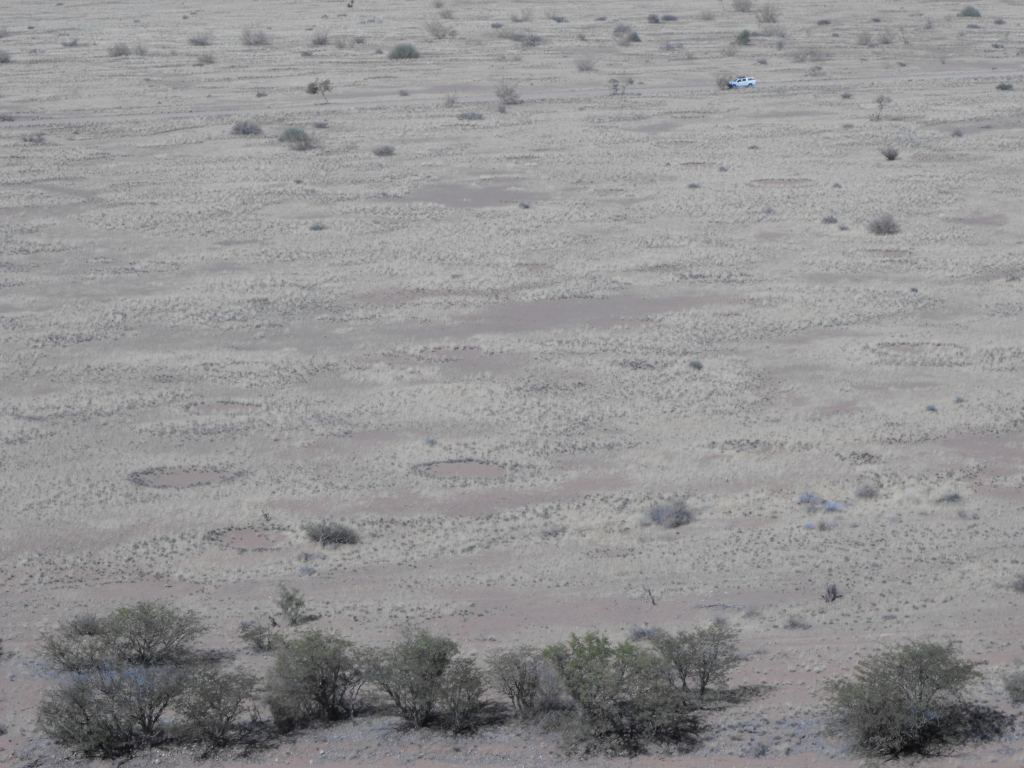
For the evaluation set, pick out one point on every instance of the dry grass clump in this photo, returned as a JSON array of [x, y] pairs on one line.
[[404, 51], [742, 6], [328, 532], [884, 225], [507, 94], [671, 514], [118, 50], [768, 13], [439, 30], [890, 153], [585, 64], [320, 37], [252, 36], [523, 16], [297, 139], [470, 116], [625, 35], [384, 150]]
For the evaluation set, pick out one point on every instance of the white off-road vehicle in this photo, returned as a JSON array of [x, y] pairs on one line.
[[743, 82]]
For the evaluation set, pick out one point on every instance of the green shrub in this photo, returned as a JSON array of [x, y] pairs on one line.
[[903, 700], [970, 12], [417, 674], [743, 38], [246, 128], [314, 678], [507, 93], [80, 715], [118, 49], [212, 702], [624, 694], [291, 602], [404, 51], [700, 659]]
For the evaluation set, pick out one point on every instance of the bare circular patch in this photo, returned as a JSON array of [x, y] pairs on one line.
[[181, 477], [462, 469]]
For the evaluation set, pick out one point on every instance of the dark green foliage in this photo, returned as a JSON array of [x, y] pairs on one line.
[[315, 678], [743, 38], [291, 602], [1004, 87], [624, 693], [902, 700], [519, 674], [79, 714], [970, 11], [404, 51], [426, 680], [328, 532], [212, 702], [884, 225]]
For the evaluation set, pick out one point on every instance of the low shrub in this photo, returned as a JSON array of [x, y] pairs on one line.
[[212, 702], [653, 18], [507, 93], [669, 17], [671, 514], [1004, 87], [404, 51], [119, 49], [526, 678], [890, 153], [470, 116], [200, 38], [427, 680], [252, 36], [830, 220], [742, 6], [624, 694], [439, 30], [743, 38], [700, 659], [884, 225], [1017, 585], [903, 700], [326, 532], [205, 58], [384, 150], [768, 13], [297, 139], [316, 677], [969, 11], [246, 128], [258, 637], [291, 604], [320, 37], [585, 64], [526, 39], [1013, 683], [625, 35], [523, 16]]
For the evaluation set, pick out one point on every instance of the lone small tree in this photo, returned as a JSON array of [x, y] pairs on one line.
[[291, 602], [320, 86], [902, 700]]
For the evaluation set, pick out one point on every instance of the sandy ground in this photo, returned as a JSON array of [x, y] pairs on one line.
[[483, 359]]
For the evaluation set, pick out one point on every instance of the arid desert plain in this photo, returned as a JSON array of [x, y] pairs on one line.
[[491, 351]]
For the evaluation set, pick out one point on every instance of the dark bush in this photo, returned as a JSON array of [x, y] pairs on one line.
[[1017, 585], [507, 93], [890, 153], [326, 532], [246, 128], [314, 678], [701, 659], [320, 37], [671, 514], [426, 680], [525, 677], [743, 38], [296, 138], [258, 637], [830, 220], [625, 34], [1014, 685], [384, 150], [471, 116], [252, 36], [80, 715], [201, 38], [669, 17], [404, 51], [903, 700], [970, 12], [884, 225], [653, 18], [212, 702], [624, 694], [119, 49], [1004, 87]]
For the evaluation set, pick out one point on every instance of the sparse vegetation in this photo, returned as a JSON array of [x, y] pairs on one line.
[[526, 38], [523, 16], [1004, 87], [296, 138], [742, 6], [743, 38], [404, 51], [1013, 683], [258, 637], [118, 50], [470, 116], [438, 30], [903, 700], [653, 18], [246, 128], [706, 15], [384, 150], [291, 603], [320, 37], [831, 594], [1017, 585], [585, 64], [507, 93], [212, 701], [625, 35], [969, 11], [890, 153], [884, 225], [450, 101], [525, 677], [200, 38], [205, 58], [323, 87], [330, 533], [670, 514], [617, 87], [252, 36], [768, 13]]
